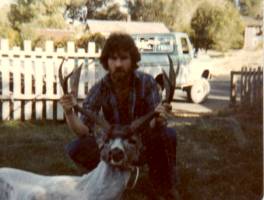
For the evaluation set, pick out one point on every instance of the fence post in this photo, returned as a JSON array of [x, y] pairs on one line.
[[91, 64], [28, 68], [232, 90], [81, 93], [246, 87], [39, 82], [242, 86], [249, 96], [254, 86], [259, 86], [49, 79], [60, 53], [5, 89], [17, 88]]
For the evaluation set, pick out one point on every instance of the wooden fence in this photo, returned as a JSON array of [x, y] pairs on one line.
[[29, 85], [247, 87]]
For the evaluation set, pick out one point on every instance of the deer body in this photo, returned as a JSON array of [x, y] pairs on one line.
[[103, 183]]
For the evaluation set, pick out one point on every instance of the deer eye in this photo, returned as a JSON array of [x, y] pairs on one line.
[[132, 141]]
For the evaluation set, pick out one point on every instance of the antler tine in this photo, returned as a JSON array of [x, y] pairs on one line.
[[172, 74], [167, 86], [74, 80], [170, 84], [75, 76], [93, 117], [142, 120], [62, 82]]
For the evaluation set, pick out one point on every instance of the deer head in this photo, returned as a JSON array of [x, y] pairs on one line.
[[120, 145]]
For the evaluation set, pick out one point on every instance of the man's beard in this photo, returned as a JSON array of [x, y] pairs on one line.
[[120, 76]]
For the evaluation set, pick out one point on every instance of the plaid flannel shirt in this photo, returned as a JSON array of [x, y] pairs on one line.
[[143, 98]]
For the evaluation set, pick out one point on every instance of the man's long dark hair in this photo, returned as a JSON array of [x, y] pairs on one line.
[[117, 43]]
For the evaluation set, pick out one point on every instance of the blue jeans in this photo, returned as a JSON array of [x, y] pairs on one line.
[[159, 154]]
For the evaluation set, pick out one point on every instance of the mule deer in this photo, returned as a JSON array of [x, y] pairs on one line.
[[120, 149]]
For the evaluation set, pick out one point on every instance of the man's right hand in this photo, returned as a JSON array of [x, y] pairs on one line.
[[68, 101]]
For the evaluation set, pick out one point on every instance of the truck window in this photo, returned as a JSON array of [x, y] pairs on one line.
[[185, 47], [155, 44]]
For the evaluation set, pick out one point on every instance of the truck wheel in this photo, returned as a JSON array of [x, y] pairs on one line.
[[199, 91]]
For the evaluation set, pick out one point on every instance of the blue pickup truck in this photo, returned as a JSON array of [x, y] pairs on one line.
[[194, 73]]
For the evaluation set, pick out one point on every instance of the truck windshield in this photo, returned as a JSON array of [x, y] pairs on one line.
[[155, 44]]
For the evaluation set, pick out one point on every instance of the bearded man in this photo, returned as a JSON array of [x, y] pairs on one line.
[[123, 95]]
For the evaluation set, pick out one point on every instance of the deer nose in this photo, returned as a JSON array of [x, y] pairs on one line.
[[117, 154]]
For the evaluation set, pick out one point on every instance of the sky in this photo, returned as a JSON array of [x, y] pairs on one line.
[[2, 2]]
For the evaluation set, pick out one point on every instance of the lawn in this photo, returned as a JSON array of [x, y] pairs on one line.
[[218, 157]]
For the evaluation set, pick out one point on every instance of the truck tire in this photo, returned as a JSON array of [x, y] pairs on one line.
[[198, 92]]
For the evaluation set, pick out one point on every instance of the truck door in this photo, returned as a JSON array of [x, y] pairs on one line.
[[185, 49]]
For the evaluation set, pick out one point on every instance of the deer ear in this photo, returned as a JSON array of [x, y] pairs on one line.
[[100, 139], [100, 142]]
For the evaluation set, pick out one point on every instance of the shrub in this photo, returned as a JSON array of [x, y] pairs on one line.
[[12, 35], [61, 43], [98, 38], [217, 26]]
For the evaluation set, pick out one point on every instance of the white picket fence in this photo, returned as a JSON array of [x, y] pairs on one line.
[[29, 84]]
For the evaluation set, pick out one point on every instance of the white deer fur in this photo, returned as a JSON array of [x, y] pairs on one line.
[[106, 182], [103, 183]]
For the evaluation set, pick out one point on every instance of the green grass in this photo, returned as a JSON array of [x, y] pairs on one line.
[[36, 146], [211, 163]]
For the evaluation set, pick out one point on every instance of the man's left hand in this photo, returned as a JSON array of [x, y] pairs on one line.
[[163, 110]]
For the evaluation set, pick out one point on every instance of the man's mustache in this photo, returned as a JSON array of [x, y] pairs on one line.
[[119, 70]]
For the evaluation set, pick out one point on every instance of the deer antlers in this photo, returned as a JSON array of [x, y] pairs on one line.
[[74, 82], [169, 83]]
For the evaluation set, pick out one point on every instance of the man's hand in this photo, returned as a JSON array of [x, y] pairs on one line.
[[163, 110], [68, 101]]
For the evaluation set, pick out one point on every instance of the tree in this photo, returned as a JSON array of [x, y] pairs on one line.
[[95, 9], [75, 9], [26, 16], [21, 12], [149, 10], [92, 7], [182, 12], [218, 27], [98, 38], [112, 12], [6, 31]]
